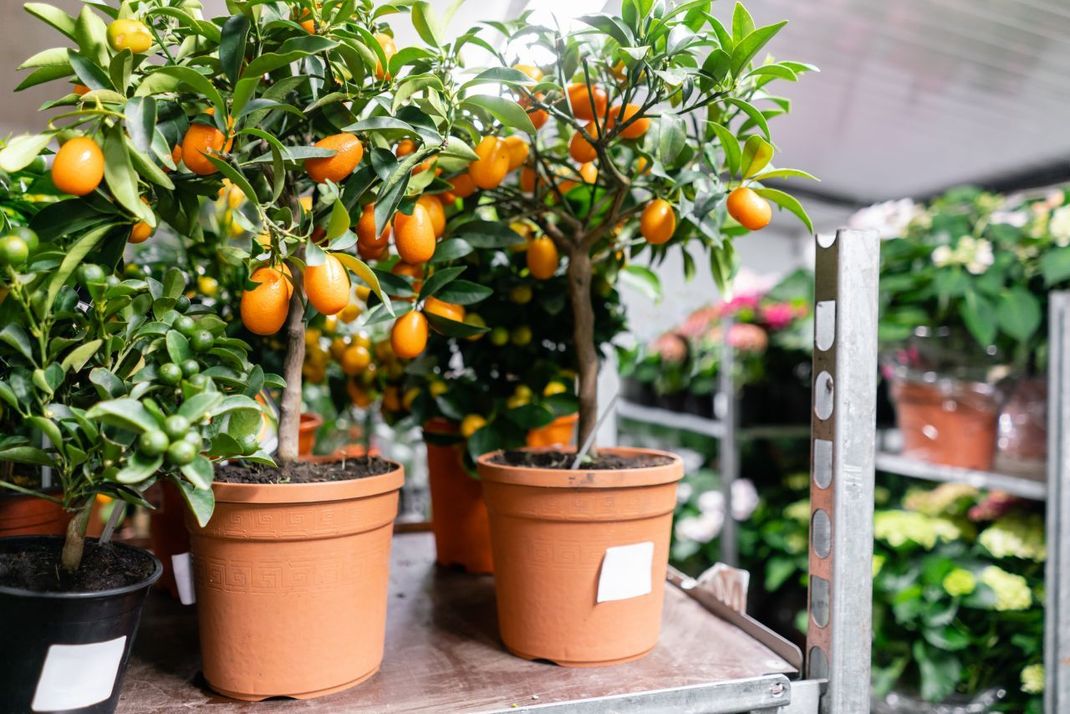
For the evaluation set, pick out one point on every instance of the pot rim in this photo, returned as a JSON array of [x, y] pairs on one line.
[[583, 478], [146, 582], [320, 491], [310, 420]]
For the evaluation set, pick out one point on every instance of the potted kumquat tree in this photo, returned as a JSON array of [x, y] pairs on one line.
[[295, 104], [652, 131]]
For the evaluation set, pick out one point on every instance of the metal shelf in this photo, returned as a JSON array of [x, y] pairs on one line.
[[695, 424], [443, 654], [987, 480]]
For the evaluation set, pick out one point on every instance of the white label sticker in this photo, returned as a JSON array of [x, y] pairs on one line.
[[626, 572], [78, 675], [183, 578]]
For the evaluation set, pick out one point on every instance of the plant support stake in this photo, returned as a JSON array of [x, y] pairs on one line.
[[590, 437]]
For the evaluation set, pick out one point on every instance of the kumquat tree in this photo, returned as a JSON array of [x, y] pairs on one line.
[[651, 129], [295, 105]]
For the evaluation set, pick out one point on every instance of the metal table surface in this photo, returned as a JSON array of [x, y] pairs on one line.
[[443, 655]]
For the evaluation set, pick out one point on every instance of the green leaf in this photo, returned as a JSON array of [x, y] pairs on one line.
[[42, 75], [201, 501], [752, 44], [451, 328], [16, 336], [940, 672], [757, 153], [753, 112], [21, 151], [91, 34], [785, 173], [339, 221], [742, 22], [642, 278], [361, 270], [124, 413], [789, 202], [464, 292], [48, 428], [1054, 264], [26, 455], [199, 472], [139, 468], [76, 358], [730, 144], [53, 16], [197, 406], [979, 316], [236, 403], [140, 115], [426, 24], [233, 39], [508, 112], [610, 26], [1018, 313], [498, 75], [171, 77], [487, 234], [75, 256], [178, 346], [440, 279], [120, 176]]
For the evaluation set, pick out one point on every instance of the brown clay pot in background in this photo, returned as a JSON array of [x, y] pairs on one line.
[[1022, 443], [291, 584], [26, 515], [458, 514], [167, 533], [550, 530], [948, 422], [306, 435], [557, 433]]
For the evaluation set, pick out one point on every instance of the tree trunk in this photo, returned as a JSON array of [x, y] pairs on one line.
[[579, 290], [74, 544], [290, 406]]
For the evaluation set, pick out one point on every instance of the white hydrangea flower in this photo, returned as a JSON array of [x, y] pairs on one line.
[[744, 499], [700, 529], [684, 491], [890, 219], [711, 502], [942, 256], [1059, 226], [1017, 219], [982, 258]]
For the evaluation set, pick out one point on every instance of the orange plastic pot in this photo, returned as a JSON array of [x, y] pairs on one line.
[[168, 534], [291, 583], [458, 513], [26, 515], [557, 433], [306, 433], [550, 531]]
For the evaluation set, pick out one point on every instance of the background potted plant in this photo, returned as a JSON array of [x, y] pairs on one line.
[[502, 389], [271, 98], [973, 270], [645, 122], [104, 369]]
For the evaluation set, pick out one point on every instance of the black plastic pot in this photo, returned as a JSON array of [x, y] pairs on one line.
[[56, 639]]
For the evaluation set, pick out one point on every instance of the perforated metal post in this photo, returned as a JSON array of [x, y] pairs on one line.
[[727, 411], [1057, 608], [842, 452]]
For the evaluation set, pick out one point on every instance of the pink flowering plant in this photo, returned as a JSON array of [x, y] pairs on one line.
[[769, 326]]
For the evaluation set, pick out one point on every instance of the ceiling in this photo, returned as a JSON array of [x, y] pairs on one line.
[[913, 96]]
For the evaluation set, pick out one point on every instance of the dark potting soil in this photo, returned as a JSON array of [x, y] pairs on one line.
[[553, 459], [37, 568], [305, 471]]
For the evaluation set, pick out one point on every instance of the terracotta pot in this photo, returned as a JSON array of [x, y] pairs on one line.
[[559, 432], [26, 515], [291, 584], [947, 422], [550, 530], [168, 534], [306, 433], [458, 513]]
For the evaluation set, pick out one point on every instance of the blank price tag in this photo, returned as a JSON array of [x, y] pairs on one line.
[[183, 578], [626, 572], [76, 676]]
